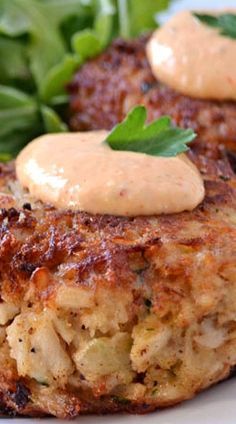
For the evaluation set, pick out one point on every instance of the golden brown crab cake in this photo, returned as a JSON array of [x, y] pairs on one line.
[[107, 87], [105, 314]]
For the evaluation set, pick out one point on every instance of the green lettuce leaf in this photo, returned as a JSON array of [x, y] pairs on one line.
[[18, 119], [60, 10], [17, 110], [138, 16], [13, 61], [86, 44], [13, 20], [53, 85], [42, 43], [52, 121], [103, 25]]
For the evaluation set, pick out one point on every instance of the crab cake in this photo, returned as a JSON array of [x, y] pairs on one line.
[[104, 313], [107, 87]]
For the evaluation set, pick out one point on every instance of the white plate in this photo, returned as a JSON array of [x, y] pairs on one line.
[[214, 406]]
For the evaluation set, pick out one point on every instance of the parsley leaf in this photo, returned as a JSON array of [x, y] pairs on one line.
[[225, 22], [159, 138]]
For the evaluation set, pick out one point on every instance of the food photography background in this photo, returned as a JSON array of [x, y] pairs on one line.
[[42, 43]]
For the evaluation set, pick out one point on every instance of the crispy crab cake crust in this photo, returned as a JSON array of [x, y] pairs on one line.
[[107, 87], [172, 279]]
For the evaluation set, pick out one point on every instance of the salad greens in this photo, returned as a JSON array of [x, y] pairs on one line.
[[42, 43], [159, 138]]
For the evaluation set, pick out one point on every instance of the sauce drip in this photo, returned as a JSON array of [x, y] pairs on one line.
[[77, 171], [194, 58]]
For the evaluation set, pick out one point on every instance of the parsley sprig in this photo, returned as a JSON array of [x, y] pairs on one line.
[[226, 23], [159, 138]]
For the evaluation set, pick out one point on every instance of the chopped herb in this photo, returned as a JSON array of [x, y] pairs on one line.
[[121, 400], [43, 383], [146, 87], [148, 303], [159, 138], [27, 206], [226, 23], [224, 178]]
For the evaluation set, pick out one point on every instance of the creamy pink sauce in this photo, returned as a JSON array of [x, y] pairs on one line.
[[193, 58], [77, 171]]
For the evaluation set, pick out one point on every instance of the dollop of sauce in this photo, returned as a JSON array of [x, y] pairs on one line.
[[78, 171], [194, 58]]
